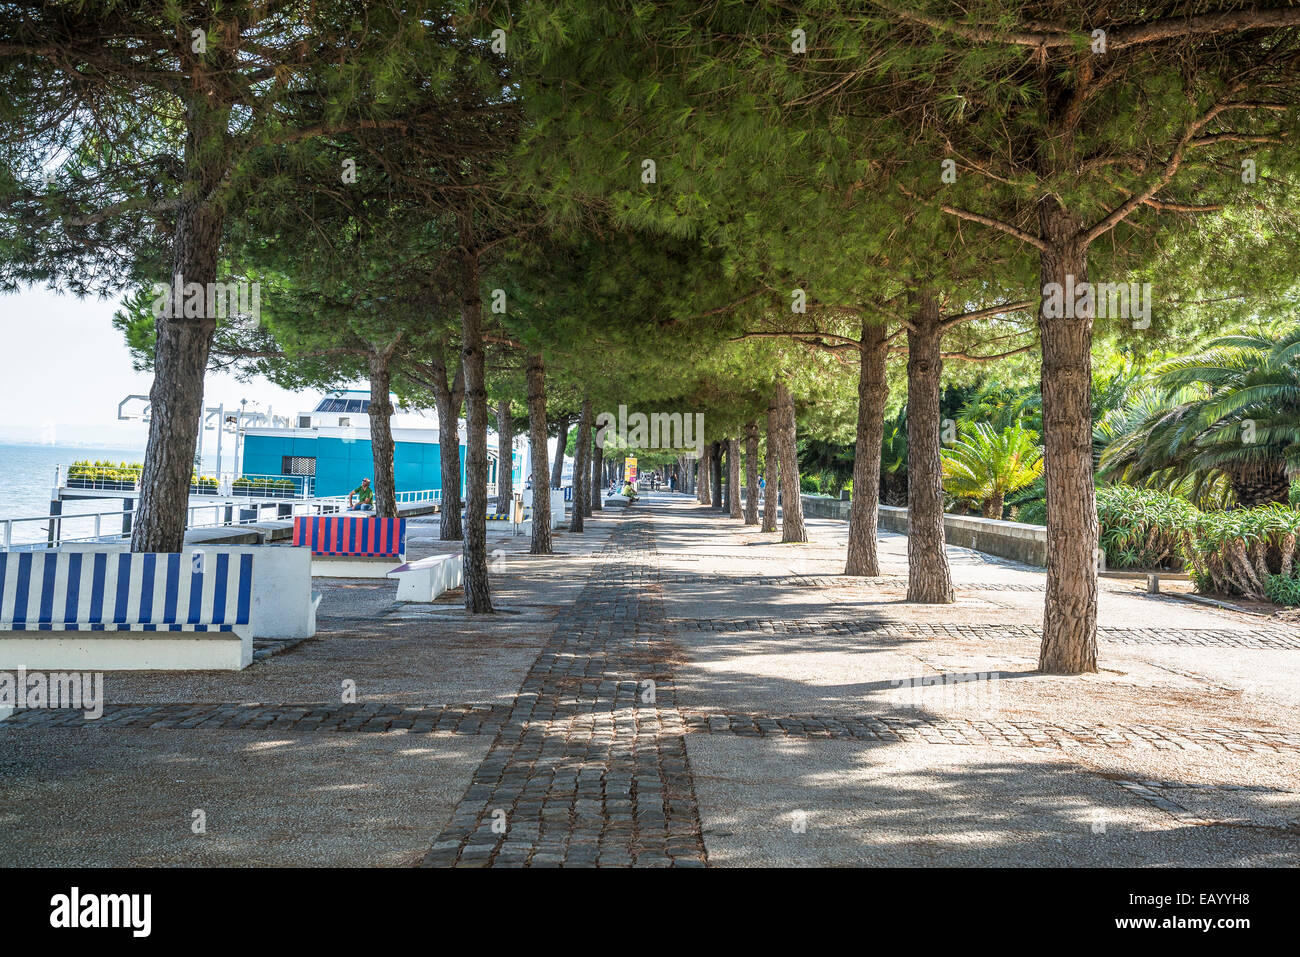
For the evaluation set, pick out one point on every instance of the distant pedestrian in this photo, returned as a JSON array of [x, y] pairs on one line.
[[365, 496]]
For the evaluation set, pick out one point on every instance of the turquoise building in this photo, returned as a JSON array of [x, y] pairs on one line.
[[327, 451]]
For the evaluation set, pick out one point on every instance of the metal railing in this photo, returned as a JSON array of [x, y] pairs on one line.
[[227, 513], [116, 478], [424, 495]]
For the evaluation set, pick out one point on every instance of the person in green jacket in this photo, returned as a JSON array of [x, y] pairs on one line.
[[365, 496]]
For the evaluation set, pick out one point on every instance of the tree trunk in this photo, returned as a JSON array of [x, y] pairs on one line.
[[505, 456], [557, 469], [447, 397], [733, 477], [584, 438], [381, 435], [581, 474], [792, 525], [1070, 612], [535, 374], [928, 579], [993, 507], [478, 598], [183, 343], [751, 473], [864, 509], [715, 474], [706, 478], [772, 468], [597, 479]]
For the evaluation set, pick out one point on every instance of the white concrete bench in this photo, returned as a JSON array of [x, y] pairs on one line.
[[284, 606], [111, 610], [426, 579], [557, 505]]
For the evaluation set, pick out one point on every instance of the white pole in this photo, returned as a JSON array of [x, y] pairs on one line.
[[221, 427]]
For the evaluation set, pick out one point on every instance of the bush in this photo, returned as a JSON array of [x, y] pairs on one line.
[[264, 484], [1241, 552], [1031, 512], [1143, 528], [1294, 495], [810, 484], [1283, 590], [97, 471]]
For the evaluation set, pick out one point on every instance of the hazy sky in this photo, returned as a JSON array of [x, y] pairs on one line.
[[65, 368]]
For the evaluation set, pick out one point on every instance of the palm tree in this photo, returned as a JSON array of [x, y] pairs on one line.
[[1001, 406], [985, 465], [1227, 415]]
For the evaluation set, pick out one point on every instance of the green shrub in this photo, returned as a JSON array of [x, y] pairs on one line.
[[1294, 495], [264, 484], [810, 483], [1032, 512], [1283, 590], [1143, 528], [1239, 552], [97, 471]]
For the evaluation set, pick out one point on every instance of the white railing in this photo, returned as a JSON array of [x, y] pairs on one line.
[[115, 478], [213, 515], [207, 515], [423, 495]]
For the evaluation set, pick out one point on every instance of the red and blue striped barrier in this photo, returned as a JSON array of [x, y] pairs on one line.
[[360, 536]]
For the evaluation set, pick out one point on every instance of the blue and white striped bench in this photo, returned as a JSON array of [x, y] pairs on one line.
[[183, 612]]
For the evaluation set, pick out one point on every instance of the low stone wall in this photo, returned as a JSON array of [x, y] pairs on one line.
[[1014, 540], [822, 506]]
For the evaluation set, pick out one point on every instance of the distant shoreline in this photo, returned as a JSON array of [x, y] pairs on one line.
[[134, 450]]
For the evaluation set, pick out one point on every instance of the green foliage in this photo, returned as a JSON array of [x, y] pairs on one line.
[[1283, 590], [1228, 413], [1236, 552], [1249, 552], [893, 462], [1143, 528], [829, 462], [85, 472], [984, 465], [264, 484]]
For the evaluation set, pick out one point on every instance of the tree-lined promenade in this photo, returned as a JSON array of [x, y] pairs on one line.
[[797, 222]]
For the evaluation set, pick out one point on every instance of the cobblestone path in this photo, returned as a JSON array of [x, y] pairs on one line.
[[590, 766], [1263, 639], [576, 720]]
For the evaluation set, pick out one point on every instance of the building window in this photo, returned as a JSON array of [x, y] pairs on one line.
[[298, 465]]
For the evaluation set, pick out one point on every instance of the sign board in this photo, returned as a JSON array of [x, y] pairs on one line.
[[629, 471]]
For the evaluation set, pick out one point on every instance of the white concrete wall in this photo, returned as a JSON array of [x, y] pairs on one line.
[[125, 651]]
